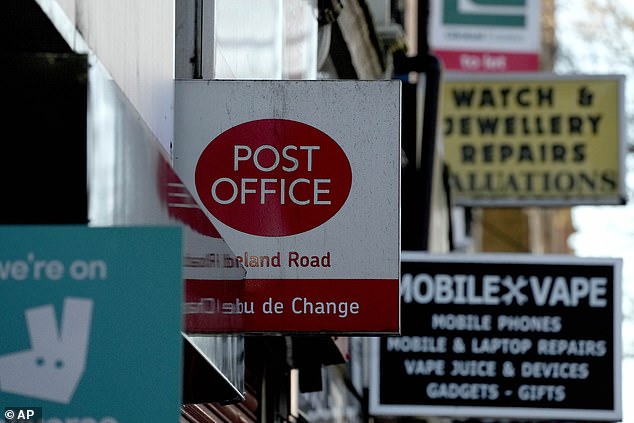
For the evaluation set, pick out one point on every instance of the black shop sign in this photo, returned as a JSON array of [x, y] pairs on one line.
[[503, 335]]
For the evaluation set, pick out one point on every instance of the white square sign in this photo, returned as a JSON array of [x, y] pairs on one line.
[[302, 180]]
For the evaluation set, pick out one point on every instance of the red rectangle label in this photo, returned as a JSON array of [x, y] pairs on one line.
[[488, 61], [299, 305]]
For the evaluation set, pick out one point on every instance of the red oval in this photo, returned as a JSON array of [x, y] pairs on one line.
[[273, 177]]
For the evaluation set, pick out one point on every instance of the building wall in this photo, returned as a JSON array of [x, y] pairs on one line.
[[267, 39], [135, 42]]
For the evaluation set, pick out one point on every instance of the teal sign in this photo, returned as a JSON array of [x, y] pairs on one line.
[[90, 322], [485, 12]]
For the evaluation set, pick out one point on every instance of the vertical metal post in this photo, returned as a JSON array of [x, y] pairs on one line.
[[419, 136]]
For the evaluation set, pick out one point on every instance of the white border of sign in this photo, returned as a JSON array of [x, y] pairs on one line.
[[508, 412]]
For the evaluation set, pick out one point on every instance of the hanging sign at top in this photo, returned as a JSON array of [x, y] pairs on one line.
[[486, 35], [302, 180]]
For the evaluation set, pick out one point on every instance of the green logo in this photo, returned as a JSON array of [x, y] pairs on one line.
[[485, 12]]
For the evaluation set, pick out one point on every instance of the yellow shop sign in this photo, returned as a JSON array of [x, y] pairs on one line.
[[534, 139]]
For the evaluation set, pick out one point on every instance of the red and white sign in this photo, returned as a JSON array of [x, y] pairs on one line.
[[302, 180]]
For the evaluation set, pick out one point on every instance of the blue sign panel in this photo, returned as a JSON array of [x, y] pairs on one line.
[[90, 322]]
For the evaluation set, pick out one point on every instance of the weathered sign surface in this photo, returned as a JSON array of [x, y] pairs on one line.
[[301, 178]]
